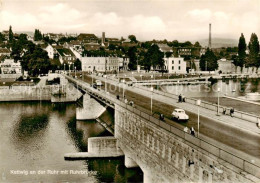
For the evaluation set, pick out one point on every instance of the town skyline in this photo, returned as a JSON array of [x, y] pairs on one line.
[[147, 20]]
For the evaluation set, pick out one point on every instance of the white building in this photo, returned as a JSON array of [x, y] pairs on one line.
[[100, 64], [175, 65], [123, 63], [50, 51], [10, 68]]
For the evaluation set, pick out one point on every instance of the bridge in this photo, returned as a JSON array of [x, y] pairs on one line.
[[166, 153]]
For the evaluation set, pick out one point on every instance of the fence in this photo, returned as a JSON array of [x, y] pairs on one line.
[[238, 114]]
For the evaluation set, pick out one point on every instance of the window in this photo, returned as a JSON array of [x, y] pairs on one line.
[[179, 61], [172, 67], [173, 62], [179, 67]]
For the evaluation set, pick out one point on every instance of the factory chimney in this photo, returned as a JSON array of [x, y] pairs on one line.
[[209, 36]]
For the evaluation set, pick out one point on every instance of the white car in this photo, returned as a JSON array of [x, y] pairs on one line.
[[180, 114], [98, 83]]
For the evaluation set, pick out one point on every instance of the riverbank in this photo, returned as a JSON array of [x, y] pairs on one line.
[[64, 92]]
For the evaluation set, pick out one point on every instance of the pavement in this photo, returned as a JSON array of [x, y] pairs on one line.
[[225, 119]]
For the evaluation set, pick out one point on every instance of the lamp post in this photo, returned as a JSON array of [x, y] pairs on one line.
[[75, 70], [105, 83], [198, 104], [123, 81], [64, 68], [218, 102], [69, 68], [151, 100]]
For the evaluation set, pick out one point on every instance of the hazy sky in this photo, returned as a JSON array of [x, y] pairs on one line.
[[147, 19]]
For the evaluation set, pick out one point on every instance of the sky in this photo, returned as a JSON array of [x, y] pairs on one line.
[[146, 19]]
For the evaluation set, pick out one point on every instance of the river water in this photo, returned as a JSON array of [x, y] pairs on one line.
[[34, 136]]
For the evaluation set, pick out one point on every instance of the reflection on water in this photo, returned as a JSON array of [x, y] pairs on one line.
[[106, 168], [35, 136]]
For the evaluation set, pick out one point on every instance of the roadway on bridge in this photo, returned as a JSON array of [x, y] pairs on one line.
[[229, 136]]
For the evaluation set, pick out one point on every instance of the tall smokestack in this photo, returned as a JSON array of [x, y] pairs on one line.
[[103, 38], [209, 36]]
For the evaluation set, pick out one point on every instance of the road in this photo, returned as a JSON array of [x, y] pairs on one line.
[[228, 135]]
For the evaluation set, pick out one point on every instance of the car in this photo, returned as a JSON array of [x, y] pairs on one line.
[[180, 114], [98, 83]]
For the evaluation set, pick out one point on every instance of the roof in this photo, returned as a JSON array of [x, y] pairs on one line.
[[74, 42], [4, 50], [178, 109], [165, 48], [87, 36], [65, 52]]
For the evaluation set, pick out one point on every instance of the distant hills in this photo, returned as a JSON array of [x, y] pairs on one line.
[[219, 42]]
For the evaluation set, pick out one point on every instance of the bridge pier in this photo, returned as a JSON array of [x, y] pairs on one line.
[[129, 162], [91, 109]]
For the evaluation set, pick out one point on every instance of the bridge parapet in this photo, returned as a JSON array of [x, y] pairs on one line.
[[169, 154]]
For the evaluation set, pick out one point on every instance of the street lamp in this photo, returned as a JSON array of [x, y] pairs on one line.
[[64, 68], [198, 104], [218, 102], [151, 100], [105, 83], [123, 81], [69, 68]]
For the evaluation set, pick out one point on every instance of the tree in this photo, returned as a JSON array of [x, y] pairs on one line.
[[197, 44], [2, 38], [208, 61], [132, 38], [240, 60], [253, 51], [168, 54], [11, 34], [132, 58], [37, 35], [154, 57], [77, 64]]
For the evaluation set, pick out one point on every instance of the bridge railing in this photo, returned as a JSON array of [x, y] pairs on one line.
[[238, 114], [245, 162]]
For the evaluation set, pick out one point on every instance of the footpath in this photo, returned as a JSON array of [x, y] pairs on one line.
[[211, 114]]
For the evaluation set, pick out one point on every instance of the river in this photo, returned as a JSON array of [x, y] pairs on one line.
[[34, 137]]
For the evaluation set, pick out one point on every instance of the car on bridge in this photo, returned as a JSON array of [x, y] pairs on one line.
[[98, 83], [180, 114]]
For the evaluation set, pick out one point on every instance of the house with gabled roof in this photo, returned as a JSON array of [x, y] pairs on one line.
[[5, 51], [65, 55]]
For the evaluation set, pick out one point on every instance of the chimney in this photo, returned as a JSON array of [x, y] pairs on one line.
[[103, 38], [209, 36]]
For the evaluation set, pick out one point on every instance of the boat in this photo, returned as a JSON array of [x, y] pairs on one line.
[[253, 96]]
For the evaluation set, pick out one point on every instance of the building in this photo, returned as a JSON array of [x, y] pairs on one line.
[[65, 55], [51, 51], [92, 46], [175, 65], [10, 69], [123, 63], [164, 48], [100, 64], [87, 38], [4, 52], [195, 52]]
